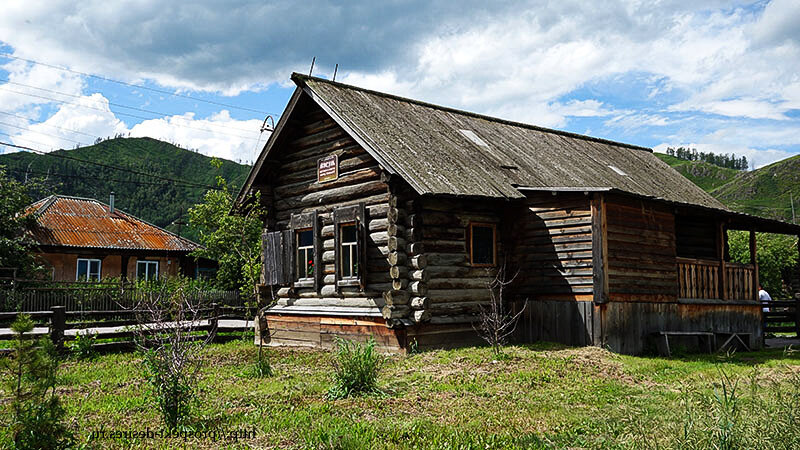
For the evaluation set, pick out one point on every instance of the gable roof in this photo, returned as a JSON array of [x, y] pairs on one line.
[[86, 223], [445, 151]]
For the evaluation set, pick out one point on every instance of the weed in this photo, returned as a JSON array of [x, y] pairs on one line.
[[356, 368], [82, 347]]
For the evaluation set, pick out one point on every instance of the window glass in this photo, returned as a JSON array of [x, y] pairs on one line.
[[348, 250], [147, 270], [482, 244], [83, 268], [88, 270], [305, 254]]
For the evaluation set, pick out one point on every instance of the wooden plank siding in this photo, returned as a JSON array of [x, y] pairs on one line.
[[641, 251], [552, 247]]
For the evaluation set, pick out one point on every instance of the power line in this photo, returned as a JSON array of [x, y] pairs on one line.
[[40, 132], [83, 177], [47, 124], [138, 86], [120, 113], [118, 105], [107, 166]]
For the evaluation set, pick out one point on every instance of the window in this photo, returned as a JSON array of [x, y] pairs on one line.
[[348, 250], [482, 244], [88, 270], [147, 270], [305, 254]]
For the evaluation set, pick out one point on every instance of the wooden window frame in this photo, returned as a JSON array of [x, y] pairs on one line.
[[89, 268], [348, 215], [353, 251], [301, 269], [305, 222], [147, 271], [470, 235]]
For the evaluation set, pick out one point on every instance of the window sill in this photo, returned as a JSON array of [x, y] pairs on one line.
[[349, 282], [304, 283]]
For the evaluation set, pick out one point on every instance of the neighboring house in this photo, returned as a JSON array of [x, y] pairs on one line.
[[82, 239], [387, 217]]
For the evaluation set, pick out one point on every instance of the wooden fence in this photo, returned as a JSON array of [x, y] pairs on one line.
[[116, 327], [701, 278], [781, 316]]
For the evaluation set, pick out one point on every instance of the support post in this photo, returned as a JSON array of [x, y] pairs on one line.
[[599, 250], [754, 262], [723, 272], [58, 323], [213, 321]]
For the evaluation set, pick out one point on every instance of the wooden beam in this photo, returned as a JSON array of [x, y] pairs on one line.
[[723, 271], [754, 262], [599, 250]]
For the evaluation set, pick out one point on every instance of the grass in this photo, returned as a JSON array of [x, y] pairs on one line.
[[541, 396]]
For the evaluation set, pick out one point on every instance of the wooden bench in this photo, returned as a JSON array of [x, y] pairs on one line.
[[709, 336]]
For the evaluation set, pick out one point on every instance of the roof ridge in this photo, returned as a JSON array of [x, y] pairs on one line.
[[300, 78]]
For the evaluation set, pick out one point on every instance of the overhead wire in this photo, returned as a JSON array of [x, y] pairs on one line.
[[138, 86]]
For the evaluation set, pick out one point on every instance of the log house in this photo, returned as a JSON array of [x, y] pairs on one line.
[[387, 218]]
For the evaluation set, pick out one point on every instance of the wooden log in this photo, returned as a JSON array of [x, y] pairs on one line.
[[395, 312], [419, 261], [396, 258], [379, 225], [372, 201], [398, 272], [328, 256], [395, 215], [396, 297], [460, 283], [303, 188], [330, 196], [414, 234], [418, 288], [420, 303], [414, 220], [458, 295], [453, 308], [416, 248], [419, 275], [421, 316], [284, 292], [399, 284]]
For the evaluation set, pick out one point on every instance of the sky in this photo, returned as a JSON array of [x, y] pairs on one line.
[[717, 76]]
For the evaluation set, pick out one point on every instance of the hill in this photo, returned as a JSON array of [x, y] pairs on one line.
[[765, 192], [156, 201], [706, 175]]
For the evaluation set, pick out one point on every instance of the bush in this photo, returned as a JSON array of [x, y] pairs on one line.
[[37, 419], [173, 390], [356, 368], [83, 345]]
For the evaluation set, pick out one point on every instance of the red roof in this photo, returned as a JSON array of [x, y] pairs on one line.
[[84, 222]]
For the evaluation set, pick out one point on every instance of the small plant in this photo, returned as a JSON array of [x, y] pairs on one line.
[[37, 412], [727, 413], [82, 347], [356, 368], [261, 367], [495, 323], [173, 390]]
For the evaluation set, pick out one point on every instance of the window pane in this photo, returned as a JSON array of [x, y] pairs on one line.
[[347, 270], [83, 267], [305, 238], [152, 272], [482, 245], [348, 233]]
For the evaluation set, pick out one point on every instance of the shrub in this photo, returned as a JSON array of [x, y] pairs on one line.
[[173, 390], [356, 368], [37, 412], [82, 347]]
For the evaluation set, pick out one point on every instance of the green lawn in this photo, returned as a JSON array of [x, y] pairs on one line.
[[539, 396]]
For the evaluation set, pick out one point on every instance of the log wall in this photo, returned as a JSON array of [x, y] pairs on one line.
[[291, 188], [641, 250]]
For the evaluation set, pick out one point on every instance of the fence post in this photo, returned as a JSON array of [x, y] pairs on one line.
[[213, 322], [58, 323]]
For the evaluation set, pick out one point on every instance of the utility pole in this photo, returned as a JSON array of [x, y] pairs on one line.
[[179, 222], [791, 199]]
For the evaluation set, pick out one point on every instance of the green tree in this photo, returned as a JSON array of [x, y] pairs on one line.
[[16, 248], [776, 255], [232, 238]]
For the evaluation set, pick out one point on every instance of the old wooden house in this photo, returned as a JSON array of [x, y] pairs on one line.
[[83, 239], [387, 217]]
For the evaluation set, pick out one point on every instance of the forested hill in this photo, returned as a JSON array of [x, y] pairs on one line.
[[765, 192], [157, 201]]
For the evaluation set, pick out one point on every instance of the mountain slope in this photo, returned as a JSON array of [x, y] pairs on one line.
[[706, 175], [156, 201], [765, 192]]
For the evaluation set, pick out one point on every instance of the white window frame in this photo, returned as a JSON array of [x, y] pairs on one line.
[[308, 255], [147, 265], [352, 250], [89, 273]]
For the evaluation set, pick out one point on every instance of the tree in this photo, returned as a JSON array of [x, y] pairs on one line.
[[232, 239], [16, 248], [776, 255], [496, 324]]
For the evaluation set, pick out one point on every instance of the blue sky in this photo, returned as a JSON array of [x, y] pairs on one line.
[[717, 76]]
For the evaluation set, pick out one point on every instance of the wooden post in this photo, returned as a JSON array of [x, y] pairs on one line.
[[58, 323], [599, 251], [754, 262], [213, 321], [723, 272]]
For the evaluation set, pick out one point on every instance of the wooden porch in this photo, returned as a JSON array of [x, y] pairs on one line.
[[714, 279]]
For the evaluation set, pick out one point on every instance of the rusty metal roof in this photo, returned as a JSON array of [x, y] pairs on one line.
[[84, 222], [445, 151]]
